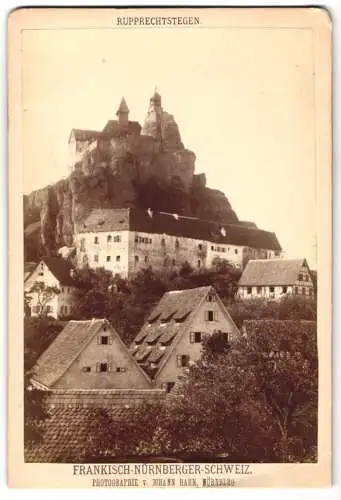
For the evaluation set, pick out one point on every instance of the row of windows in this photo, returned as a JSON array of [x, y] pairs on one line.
[[65, 309], [47, 309], [139, 239], [65, 289], [303, 277], [222, 249], [115, 239], [196, 337], [104, 367], [297, 290]]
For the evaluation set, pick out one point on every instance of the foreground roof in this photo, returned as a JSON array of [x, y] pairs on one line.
[[271, 272], [165, 325], [136, 219], [69, 434], [59, 356]]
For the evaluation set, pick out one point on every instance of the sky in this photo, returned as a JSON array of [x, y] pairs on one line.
[[243, 100]]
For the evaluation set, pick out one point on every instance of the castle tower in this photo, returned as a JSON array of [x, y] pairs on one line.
[[155, 101], [123, 112]]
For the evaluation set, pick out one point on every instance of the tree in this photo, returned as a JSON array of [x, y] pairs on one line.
[[43, 294]]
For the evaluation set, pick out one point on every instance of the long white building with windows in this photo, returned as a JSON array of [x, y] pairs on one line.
[[124, 241]]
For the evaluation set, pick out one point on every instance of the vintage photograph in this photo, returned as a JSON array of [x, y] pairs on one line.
[[170, 247]]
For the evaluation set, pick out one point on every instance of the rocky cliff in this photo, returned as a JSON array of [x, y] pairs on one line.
[[151, 168]]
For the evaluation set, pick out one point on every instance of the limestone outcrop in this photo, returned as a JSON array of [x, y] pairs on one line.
[[123, 166]]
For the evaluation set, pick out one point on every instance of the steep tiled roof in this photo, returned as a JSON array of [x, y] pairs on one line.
[[84, 135], [271, 272], [68, 434], [61, 269], [156, 339], [145, 221], [123, 107], [62, 352]]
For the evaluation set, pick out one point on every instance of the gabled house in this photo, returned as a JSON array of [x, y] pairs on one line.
[[88, 355], [272, 279], [53, 272], [171, 338]]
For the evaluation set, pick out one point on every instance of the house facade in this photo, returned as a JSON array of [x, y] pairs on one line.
[[125, 241], [273, 279], [58, 273], [171, 339], [88, 355]]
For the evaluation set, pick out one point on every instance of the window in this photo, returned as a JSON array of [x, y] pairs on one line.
[[118, 258], [303, 290], [249, 290], [163, 242], [259, 290], [168, 386], [150, 241], [284, 289], [271, 289], [195, 337], [117, 239], [146, 259], [109, 238], [212, 247], [210, 316], [182, 360], [310, 292], [96, 240], [173, 262], [177, 244], [49, 309], [136, 239], [104, 339], [41, 273], [236, 250], [210, 298], [121, 369], [95, 258], [136, 258], [86, 369], [296, 290], [200, 246], [103, 367], [62, 289], [36, 309], [108, 258], [300, 277], [199, 263]]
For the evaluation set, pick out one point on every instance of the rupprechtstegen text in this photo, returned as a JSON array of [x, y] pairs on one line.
[[157, 21]]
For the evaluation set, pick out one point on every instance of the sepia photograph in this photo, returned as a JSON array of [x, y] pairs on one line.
[[172, 317]]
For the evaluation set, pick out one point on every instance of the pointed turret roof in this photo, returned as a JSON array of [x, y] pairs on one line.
[[123, 107], [156, 96]]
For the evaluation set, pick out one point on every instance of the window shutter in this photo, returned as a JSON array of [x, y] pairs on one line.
[[98, 366], [109, 366], [206, 315], [215, 315], [110, 339], [98, 339], [178, 361], [191, 337]]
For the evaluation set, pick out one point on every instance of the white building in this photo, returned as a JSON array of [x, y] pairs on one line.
[[53, 272], [127, 240], [272, 279]]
